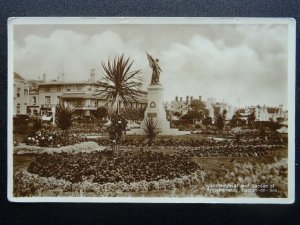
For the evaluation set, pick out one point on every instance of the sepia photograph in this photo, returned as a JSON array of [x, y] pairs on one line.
[[151, 110]]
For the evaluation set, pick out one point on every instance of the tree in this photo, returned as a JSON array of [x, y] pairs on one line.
[[150, 129], [235, 119], [101, 112], [251, 119], [220, 121], [64, 115], [120, 84], [207, 121], [198, 105], [192, 116]]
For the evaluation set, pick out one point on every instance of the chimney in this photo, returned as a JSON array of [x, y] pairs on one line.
[[62, 77], [44, 77], [191, 98], [181, 99], [187, 99], [176, 98], [200, 98], [280, 109], [92, 76]]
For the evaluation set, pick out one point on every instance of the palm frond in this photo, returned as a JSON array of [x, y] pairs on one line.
[[120, 81], [150, 129]]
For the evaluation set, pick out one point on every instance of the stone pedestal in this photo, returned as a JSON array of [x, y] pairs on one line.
[[155, 109]]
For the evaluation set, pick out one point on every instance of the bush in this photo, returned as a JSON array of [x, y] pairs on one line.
[[150, 129], [101, 112], [116, 128], [64, 116]]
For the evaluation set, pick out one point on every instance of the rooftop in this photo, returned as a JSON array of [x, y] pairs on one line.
[[18, 76]]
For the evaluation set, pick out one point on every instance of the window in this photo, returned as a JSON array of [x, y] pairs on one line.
[[34, 100], [47, 100], [18, 108], [78, 102], [25, 92], [18, 92]]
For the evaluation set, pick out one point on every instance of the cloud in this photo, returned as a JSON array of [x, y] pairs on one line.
[[254, 69], [68, 52], [226, 62]]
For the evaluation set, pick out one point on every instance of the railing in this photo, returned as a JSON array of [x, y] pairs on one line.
[[92, 107]]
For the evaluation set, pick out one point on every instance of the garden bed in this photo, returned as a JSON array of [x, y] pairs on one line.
[[150, 174], [87, 147], [104, 174]]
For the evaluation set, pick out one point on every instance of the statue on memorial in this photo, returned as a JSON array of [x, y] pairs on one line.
[[155, 69]]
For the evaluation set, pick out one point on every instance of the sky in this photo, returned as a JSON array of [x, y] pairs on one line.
[[240, 64]]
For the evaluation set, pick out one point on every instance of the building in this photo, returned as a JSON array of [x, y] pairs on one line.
[[225, 107], [21, 95], [44, 96], [264, 113], [183, 107]]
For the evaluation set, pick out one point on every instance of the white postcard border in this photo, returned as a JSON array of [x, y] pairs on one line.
[[290, 22]]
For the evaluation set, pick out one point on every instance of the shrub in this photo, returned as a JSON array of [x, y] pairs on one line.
[[64, 116], [101, 112], [116, 128], [150, 129]]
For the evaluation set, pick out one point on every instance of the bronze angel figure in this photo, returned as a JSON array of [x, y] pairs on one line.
[[155, 69]]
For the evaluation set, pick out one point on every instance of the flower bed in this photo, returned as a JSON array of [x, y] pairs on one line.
[[28, 184], [103, 167], [84, 147], [242, 175], [53, 138], [100, 172], [139, 141]]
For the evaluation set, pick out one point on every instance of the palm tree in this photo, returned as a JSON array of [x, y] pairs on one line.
[[119, 83], [64, 115]]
